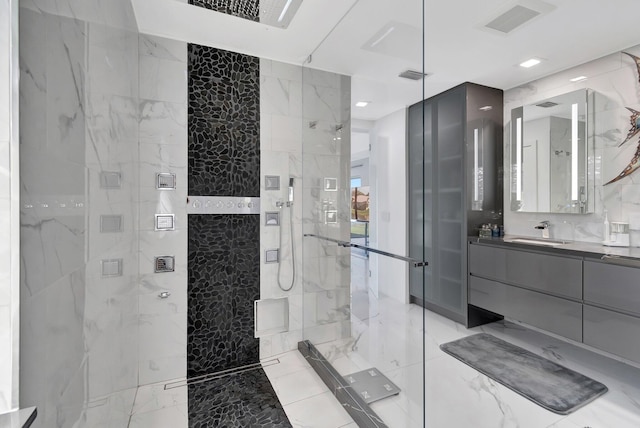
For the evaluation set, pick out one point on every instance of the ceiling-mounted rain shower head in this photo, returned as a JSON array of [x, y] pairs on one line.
[[277, 13]]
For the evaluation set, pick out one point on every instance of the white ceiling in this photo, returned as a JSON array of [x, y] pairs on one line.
[[456, 48]]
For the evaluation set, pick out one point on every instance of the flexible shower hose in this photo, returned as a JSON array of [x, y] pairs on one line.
[[293, 254]]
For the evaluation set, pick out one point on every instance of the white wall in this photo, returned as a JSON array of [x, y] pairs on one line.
[[615, 79], [9, 207], [389, 204]]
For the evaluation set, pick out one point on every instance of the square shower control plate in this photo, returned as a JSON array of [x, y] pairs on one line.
[[371, 385]]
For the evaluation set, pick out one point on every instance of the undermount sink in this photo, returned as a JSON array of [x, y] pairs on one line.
[[535, 241]]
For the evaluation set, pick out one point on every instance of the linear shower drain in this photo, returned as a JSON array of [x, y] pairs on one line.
[[371, 385]]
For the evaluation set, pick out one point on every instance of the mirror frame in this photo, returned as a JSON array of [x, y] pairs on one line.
[[588, 181]]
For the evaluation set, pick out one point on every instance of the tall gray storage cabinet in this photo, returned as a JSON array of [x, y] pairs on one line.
[[455, 184]]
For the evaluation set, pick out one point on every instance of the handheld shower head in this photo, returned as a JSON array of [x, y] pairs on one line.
[[290, 196]]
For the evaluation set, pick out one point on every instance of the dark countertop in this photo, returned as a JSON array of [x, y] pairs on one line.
[[573, 248], [22, 418]]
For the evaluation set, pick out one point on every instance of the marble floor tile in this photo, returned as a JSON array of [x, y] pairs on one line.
[[284, 364], [168, 417], [297, 386], [319, 411], [156, 397], [456, 394]]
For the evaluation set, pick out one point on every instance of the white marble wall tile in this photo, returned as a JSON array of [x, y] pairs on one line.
[[281, 70], [6, 365], [163, 80], [163, 148], [113, 410], [112, 69], [162, 48], [322, 103], [5, 71], [156, 158], [51, 248], [162, 122], [162, 369], [164, 202], [65, 59], [6, 289], [112, 120], [286, 133], [162, 336]]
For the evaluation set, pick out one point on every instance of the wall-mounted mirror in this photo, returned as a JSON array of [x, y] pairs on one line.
[[551, 144]]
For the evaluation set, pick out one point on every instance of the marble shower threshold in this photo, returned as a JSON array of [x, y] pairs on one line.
[[357, 408]]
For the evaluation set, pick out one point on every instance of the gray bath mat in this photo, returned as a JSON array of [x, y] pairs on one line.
[[544, 382]]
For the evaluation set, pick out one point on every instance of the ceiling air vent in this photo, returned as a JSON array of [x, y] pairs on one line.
[[512, 19], [412, 75], [515, 14], [547, 104]]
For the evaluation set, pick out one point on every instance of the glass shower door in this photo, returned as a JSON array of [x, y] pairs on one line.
[[358, 315]]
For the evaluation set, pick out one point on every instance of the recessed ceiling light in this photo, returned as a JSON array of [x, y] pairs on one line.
[[530, 63], [578, 79], [362, 103], [486, 108], [384, 35], [284, 10]]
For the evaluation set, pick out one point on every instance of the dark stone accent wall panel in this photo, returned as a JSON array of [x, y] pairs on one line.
[[240, 400], [224, 281], [224, 123], [247, 9]]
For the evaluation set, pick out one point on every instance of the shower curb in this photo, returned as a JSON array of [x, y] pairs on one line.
[[358, 409]]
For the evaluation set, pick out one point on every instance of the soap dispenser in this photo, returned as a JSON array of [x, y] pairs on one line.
[[607, 229]]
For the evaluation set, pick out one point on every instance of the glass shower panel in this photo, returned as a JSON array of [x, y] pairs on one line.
[[361, 257]]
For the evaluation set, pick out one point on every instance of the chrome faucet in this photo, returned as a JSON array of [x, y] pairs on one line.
[[544, 226]]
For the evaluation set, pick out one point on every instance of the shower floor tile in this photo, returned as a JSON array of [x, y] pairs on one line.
[[240, 400]]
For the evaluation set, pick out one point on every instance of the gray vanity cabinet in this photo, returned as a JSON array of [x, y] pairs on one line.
[[559, 316], [556, 275], [612, 286], [576, 296], [541, 290], [612, 308]]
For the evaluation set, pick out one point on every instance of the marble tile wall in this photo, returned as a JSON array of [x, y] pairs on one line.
[[79, 119], [163, 149], [9, 247], [615, 79], [301, 114]]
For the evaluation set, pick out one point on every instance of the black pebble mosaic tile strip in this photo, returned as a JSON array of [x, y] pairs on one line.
[[240, 400], [224, 123], [247, 9], [224, 281]]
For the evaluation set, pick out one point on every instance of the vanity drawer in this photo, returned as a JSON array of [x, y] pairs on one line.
[[549, 313], [613, 332], [561, 276], [486, 261], [617, 287]]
